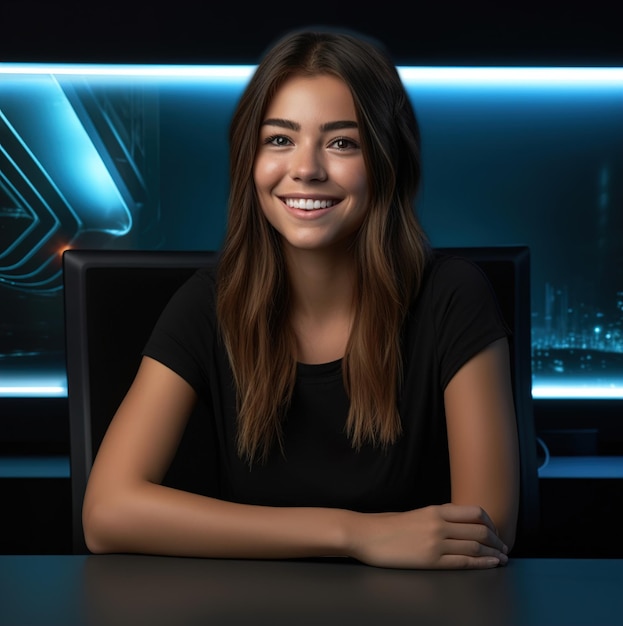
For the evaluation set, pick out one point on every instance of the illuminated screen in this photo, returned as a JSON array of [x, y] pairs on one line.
[[137, 157]]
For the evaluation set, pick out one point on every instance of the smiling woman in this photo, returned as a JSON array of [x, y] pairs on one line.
[[309, 171], [358, 384]]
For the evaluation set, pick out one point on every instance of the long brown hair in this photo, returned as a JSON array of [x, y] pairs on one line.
[[390, 250]]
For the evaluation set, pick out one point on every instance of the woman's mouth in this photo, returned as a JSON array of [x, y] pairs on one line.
[[308, 204]]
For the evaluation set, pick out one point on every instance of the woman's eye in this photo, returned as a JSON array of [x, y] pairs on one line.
[[277, 140], [343, 143]]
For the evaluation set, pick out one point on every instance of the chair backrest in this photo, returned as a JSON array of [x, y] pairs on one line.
[[112, 300], [508, 271]]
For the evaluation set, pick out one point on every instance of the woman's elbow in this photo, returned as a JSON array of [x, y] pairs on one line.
[[505, 519], [100, 525]]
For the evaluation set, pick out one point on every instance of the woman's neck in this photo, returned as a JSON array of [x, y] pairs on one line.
[[322, 304]]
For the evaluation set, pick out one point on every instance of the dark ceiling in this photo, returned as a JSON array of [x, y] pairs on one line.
[[237, 32]]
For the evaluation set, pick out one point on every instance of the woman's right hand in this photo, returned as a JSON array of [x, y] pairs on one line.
[[447, 536]]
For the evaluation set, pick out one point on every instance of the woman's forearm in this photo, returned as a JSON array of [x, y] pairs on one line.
[[159, 520], [153, 519]]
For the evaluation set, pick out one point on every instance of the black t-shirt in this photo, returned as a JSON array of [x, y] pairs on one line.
[[453, 318]]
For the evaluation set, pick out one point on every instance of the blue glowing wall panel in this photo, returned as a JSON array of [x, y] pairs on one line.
[[136, 157]]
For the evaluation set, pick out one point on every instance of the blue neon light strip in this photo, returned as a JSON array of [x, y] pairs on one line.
[[37, 387], [571, 391], [455, 76], [87, 69], [34, 391]]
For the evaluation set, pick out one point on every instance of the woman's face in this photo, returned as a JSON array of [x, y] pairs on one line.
[[309, 169]]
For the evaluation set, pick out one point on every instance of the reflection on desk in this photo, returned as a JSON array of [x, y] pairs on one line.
[[119, 590]]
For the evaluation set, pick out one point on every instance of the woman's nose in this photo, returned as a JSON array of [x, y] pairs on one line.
[[308, 163]]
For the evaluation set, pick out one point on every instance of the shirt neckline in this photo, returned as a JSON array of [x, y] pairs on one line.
[[319, 370]]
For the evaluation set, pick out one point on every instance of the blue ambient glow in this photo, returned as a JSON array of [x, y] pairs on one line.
[[55, 180], [134, 156]]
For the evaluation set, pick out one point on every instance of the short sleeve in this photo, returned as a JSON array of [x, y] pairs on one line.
[[467, 314], [183, 338]]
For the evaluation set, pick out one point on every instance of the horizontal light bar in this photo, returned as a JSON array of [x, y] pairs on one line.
[[475, 76], [588, 392], [34, 391], [514, 76], [156, 71]]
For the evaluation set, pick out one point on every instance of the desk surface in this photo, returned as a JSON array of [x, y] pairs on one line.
[[119, 590]]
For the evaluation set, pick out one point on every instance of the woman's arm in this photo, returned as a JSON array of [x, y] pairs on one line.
[[127, 510], [477, 528], [482, 438]]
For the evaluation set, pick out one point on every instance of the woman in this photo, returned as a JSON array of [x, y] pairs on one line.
[[358, 383]]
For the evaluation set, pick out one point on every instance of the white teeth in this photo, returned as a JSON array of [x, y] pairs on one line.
[[308, 205]]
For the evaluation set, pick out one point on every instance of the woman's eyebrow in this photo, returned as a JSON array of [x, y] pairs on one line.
[[328, 126], [339, 125], [276, 121]]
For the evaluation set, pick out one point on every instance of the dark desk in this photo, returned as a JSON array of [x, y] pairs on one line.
[[120, 590]]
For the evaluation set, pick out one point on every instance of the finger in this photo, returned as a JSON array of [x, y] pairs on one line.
[[467, 513], [475, 532], [461, 561], [473, 549]]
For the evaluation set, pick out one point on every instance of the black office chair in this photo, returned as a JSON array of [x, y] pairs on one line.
[[112, 300], [508, 270]]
